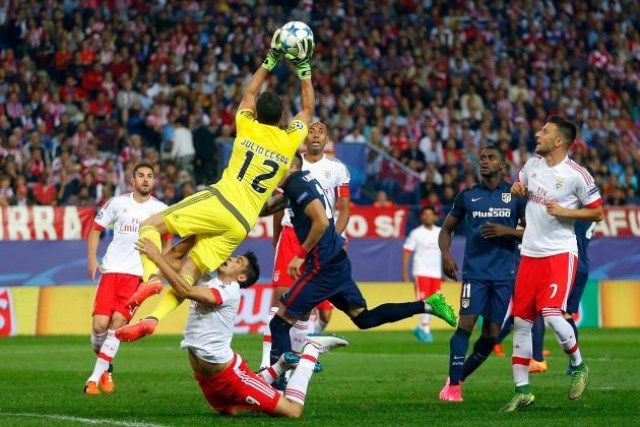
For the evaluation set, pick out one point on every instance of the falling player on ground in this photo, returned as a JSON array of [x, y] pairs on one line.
[[226, 381], [221, 215], [422, 243], [334, 178], [327, 269], [488, 269], [121, 271], [559, 192]]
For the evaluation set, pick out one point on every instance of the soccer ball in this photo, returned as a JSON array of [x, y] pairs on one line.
[[291, 33]]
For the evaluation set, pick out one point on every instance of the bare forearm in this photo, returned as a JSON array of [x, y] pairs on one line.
[[253, 88], [344, 212], [586, 214], [406, 256], [308, 99], [92, 244], [180, 286], [444, 241]]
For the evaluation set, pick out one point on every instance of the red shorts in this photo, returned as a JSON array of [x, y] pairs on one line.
[[286, 249], [114, 290], [238, 388], [426, 286], [543, 283]]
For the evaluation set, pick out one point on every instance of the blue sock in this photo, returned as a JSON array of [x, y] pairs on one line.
[[457, 351], [573, 325], [481, 351], [537, 338], [386, 313], [506, 329], [280, 338]]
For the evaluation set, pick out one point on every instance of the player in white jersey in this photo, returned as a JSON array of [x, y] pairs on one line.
[[422, 242], [334, 179], [226, 381], [559, 192], [121, 270]]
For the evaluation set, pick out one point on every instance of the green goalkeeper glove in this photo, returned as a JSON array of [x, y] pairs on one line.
[[303, 60], [274, 53]]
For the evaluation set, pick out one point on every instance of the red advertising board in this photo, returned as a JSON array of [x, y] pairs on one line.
[[364, 221], [619, 222], [45, 222]]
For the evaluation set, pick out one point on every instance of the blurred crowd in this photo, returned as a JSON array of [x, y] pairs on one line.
[[89, 88]]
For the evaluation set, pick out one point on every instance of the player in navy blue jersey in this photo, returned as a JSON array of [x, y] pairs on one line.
[[489, 266], [322, 268]]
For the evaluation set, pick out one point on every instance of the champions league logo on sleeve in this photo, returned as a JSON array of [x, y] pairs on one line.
[[506, 197]]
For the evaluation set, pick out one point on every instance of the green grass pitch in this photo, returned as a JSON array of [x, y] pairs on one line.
[[382, 378]]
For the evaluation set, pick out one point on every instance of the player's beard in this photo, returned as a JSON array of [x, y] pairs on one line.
[[140, 190]]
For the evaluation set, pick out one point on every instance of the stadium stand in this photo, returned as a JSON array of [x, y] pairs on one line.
[[90, 88]]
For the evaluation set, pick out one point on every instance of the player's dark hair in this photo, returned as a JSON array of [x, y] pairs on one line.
[[497, 150], [251, 271], [566, 128], [269, 108], [142, 165], [428, 208], [297, 160]]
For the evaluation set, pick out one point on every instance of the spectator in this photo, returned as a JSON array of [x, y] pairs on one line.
[[182, 149], [382, 200]]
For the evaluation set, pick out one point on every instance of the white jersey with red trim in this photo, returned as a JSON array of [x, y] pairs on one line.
[[427, 258], [126, 215], [332, 175], [572, 187], [209, 330]]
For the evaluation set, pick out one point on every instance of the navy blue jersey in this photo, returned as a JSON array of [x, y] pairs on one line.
[[489, 259], [300, 189], [584, 233]]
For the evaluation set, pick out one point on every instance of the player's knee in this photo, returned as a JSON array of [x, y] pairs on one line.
[[295, 411], [522, 324], [325, 315], [100, 327], [467, 322]]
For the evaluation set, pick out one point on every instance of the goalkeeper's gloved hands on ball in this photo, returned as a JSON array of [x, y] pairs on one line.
[[274, 53], [303, 60]]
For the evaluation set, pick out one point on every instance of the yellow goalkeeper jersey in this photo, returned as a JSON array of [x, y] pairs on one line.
[[261, 155]]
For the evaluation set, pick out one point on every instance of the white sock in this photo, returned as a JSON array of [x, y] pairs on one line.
[[266, 340], [298, 335], [97, 340], [274, 371], [105, 356], [425, 320], [297, 386], [564, 333], [522, 350]]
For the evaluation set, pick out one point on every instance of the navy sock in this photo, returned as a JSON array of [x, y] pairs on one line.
[[481, 351], [280, 338], [457, 350], [573, 325], [537, 338], [386, 313], [506, 329]]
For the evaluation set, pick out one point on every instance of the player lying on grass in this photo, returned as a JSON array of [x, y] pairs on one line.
[[327, 271], [226, 381], [221, 215]]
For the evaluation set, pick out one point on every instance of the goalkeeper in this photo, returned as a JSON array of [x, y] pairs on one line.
[[221, 215]]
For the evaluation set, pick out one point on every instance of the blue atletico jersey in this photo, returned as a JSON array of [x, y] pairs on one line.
[[300, 189], [584, 233], [492, 259]]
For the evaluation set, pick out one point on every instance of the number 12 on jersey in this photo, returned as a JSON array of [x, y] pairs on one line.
[[255, 184]]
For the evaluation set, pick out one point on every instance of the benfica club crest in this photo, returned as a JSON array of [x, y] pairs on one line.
[[559, 182], [465, 303], [327, 174], [506, 197]]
